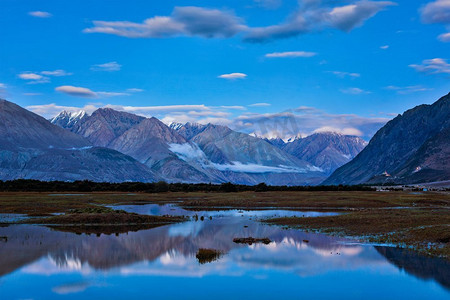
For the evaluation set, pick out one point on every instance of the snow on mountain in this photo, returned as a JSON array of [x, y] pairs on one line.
[[66, 119]]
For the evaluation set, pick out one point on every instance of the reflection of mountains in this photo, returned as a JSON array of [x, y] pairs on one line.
[[420, 266], [27, 244]]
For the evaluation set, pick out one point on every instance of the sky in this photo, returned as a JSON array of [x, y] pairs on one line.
[[270, 67]]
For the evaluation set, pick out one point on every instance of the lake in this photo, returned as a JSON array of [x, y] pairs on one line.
[[41, 263]]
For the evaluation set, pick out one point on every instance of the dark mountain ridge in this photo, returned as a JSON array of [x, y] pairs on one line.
[[411, 148]]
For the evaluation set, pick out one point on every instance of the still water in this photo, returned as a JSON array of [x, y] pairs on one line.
[[160, 263]]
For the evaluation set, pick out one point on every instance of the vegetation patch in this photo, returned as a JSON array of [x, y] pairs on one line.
[[41, 204], [251, 240], [411, 220], [205, 256], [102, 216], [425, 230], [104, 229]]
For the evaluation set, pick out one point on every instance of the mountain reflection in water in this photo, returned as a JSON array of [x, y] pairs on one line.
[[63, 263]]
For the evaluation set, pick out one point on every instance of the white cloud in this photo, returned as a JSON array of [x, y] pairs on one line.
[[213, 23], [111, 94], [134, 90], [33, 78], [344, 131], [76, 91], [57, 73], [40, 14], [433, 66], [30, 76], [184, 21], [2, 86], [385, 47], [188, 152], [235, 107], [168, 113], [232, 76], [107, 67], [260, 104], [291, 54], [305, 122], [345, 74], [254, 168], [71, 288], [37, 77], [32, 94], [407, 89], [354, 91], [302, 120], [51, 110], [354, 15], [160, 109], [313, 16], [88, 93], [436, 12], [445, 37]]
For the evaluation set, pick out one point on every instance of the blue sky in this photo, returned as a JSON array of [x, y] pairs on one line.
[[310, 65]]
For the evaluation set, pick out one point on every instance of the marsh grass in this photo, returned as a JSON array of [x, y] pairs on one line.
[[425, 230], [205, 256], [46, 203], [416, 220]]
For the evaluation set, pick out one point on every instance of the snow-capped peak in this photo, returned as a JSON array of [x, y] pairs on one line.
[[275, 137], [67, 119], [175, 125]]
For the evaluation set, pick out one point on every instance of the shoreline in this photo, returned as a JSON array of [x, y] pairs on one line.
[[408, 220]]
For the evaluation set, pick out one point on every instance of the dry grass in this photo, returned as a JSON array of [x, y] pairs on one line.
[[426, 230], [419, 220], [45, 203]]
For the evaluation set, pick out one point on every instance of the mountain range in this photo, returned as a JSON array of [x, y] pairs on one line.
[[326, 150], [115, 146], [412, 148], [193, 152], [196, 153]]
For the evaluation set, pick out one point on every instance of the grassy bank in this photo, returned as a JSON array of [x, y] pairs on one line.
[[417, 220], [102, 216], [32, 203], [99, 219], [425, 230]]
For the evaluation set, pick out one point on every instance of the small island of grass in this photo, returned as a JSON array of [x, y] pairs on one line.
[[208, 255], [101, 219]]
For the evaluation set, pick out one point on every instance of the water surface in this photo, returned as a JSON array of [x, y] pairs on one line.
[[160, 263]]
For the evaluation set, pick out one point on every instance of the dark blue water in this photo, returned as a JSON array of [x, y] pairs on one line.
[[160, 263]]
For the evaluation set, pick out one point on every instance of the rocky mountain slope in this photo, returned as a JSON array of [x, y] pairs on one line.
[[412, 148], [194, 152], [246, 159], [151, 142], [33, 148], [105, 125], [326, 150]]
